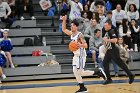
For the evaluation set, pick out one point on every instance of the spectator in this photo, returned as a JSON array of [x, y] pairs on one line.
[[65, 8], [123, 48], [132, 13], [119, 14], [11, 3], [3, 60], [86, 9], [100, 8], [4, 16], [45, 5], [135, 31], [95, 15], [85, 22], [76, 9], [25, 6], [116, 2], [109, 16], [124, 31], [136, 2], [7, 46], [89, 32], [94, 43]]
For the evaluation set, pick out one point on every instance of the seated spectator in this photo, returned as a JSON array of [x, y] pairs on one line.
[[85, 22], [94, 43], [124, 31], [7, 46], [89, 32], [11, 3], [136, 2], [76, 9], [135, 31], [109, 16], [95, 15], [119, 14], [3, 60], [25, 6], [124, 54], [86, 9], [5, 11], [132, 13], [52, 9], [100, 8], [65, 8]]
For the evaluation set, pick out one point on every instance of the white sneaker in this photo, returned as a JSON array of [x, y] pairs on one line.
[[22, 18], [12, 66], [33, 18], [3, 76]]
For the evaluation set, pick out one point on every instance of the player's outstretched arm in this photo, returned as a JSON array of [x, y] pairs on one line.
[[64, 18]]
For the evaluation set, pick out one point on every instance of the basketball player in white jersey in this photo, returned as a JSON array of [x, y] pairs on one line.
[[79, 58], [76, 9]]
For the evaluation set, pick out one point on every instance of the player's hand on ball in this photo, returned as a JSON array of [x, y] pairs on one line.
[[79, 45]]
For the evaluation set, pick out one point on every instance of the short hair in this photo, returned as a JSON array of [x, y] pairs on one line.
[[75, 22], [96, 30], [135, 8], [109, 22], [100, 2], [109, 12]]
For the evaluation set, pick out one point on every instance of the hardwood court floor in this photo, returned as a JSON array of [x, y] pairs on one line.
[[94, 85]]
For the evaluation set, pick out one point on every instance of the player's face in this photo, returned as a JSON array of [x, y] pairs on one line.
[[100, 9], [73, 27]]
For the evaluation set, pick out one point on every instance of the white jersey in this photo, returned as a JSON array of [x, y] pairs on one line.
[[79, 58], [75, 11], [81, 51]]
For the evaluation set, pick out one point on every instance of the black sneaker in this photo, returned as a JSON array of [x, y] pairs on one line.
[[82, 89], [108, 81], [131, 79], [101, 73]]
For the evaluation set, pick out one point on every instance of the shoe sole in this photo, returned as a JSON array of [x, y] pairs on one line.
[[102, 71], [82, 92]]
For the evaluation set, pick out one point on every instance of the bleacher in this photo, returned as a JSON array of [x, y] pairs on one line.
[[27, 65]]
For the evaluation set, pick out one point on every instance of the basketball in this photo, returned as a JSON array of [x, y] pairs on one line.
[[73, 46]]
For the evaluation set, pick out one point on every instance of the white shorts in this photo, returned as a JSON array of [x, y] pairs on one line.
[[79, 62]]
